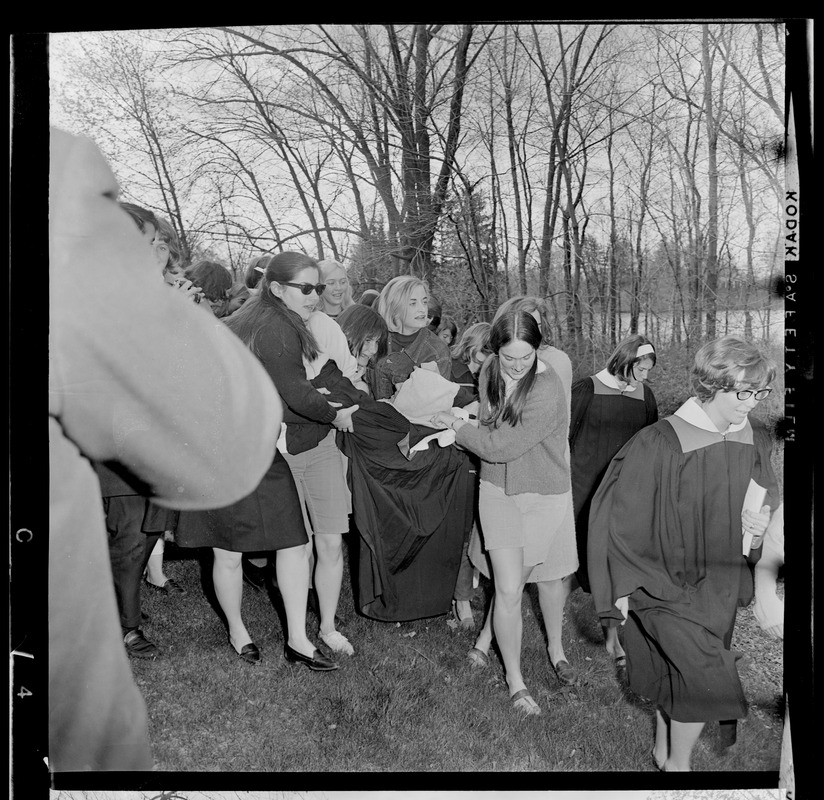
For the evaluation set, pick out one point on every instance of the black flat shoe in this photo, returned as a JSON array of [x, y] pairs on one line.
[[249, 653], [565, 673], [317, 661], [253, 575]]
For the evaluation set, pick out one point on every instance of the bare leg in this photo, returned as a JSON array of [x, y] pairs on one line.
[[507, 623], [484, 640], [613, 643], [683, 736], [228, 580], [154, 567], [552, 595], [328, 577], [660, 750], [292, 569]]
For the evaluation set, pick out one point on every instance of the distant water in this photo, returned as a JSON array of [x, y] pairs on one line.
[[767, 325]]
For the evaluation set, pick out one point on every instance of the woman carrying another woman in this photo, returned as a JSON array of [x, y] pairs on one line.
[[273, 325], [554, 576], [404, 305], [667, 547], [524, 485], [290, 286], [608, 409]]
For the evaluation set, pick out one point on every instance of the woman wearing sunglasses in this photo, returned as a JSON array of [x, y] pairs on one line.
[[667, 539], [307, 470]]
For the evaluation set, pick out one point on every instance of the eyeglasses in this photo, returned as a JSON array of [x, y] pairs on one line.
[[306, 288], [746, 394]]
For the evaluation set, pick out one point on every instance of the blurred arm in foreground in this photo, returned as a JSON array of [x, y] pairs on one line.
[[139, 375]]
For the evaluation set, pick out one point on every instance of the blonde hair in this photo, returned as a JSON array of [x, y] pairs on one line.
[[326, 267], [394, 299], [473, 340]]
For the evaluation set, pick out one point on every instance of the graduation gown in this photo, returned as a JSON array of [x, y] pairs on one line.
[[602, 420], [411, 513], [665, 530]]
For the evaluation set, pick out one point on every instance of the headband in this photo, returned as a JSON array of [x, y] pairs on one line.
[[645, 350], [260, 269]]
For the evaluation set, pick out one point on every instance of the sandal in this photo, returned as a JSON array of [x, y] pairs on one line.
[[522, 701], [477, 658], [565, 673]]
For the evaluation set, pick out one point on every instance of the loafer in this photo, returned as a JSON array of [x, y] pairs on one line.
[[255, 576], [566, 674], [523, 702], [170, 587], [317, 661], [138, 646], [249, 653]]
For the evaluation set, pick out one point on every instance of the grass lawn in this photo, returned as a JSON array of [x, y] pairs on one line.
[[408, 700]]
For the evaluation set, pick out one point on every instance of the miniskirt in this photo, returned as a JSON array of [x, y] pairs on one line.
[[269, 518], [539, 523]]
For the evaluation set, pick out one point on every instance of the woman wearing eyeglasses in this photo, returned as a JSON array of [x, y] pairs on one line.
[[306, 470], [667, 540]]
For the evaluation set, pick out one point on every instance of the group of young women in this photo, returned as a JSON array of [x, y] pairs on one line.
[[579, 484]]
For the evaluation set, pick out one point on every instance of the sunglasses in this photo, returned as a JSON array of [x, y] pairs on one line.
[[306, 288]]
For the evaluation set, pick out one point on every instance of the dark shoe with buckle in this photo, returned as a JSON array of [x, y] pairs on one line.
[[170, 587], [249, 653], [255, 576], [138, 646], [317, 661]]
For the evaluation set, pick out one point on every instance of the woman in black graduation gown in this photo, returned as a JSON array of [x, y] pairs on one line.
[[607, 410], [666, 538]]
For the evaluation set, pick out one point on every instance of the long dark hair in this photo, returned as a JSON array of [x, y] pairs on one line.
[[259, 310], [360, 323], [212, 277], [511, 326]]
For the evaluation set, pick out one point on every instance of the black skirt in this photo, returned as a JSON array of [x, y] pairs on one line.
[[269, 518]]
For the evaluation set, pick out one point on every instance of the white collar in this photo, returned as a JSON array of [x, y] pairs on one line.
[[691, 411], [608, 379]]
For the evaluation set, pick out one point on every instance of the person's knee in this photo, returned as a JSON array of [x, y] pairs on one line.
[[227, 560], [329, 547], [508, 598]]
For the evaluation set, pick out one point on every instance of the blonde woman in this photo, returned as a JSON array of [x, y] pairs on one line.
[[404, 304], [338, 293]]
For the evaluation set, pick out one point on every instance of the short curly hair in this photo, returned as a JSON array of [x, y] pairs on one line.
[[729, 362]]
